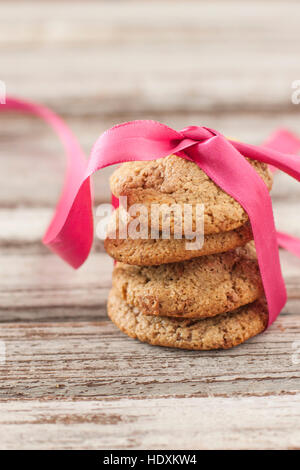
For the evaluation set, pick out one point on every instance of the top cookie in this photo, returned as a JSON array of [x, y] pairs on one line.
[[174, 180]]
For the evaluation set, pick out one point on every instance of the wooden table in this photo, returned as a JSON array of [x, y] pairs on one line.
[[68, 378]]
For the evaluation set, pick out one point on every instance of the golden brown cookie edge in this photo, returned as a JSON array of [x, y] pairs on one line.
[[148, 252], [222, 332]]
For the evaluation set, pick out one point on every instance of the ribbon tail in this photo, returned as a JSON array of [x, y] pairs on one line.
[[289, 243], [237, 178], [284, 141], [289, 163], [70, 233]]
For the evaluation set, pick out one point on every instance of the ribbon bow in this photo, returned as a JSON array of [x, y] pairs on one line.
[[70, 233]]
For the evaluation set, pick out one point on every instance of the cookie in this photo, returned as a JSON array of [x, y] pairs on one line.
[[197, 288], [220, 332], [174, 180], [149, 252]]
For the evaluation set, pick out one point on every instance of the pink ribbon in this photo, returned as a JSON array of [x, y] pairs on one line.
[[70, 233]]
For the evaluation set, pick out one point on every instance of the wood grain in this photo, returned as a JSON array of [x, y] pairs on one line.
[[172, 423], [94, 359], [68, 377], [107, 57]]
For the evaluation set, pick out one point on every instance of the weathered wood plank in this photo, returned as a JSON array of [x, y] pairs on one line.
[[44, 285], [94, 359], [174, 56], [41, 287], [132, 20], [173, 423]]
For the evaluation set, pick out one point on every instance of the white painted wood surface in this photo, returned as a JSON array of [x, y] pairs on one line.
[[135, 55], [159, 423], [68, 378]]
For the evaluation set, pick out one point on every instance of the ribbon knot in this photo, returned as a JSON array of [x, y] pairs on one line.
[[197, 133]]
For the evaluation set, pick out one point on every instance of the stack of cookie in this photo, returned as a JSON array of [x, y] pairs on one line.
[[167, 295]]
